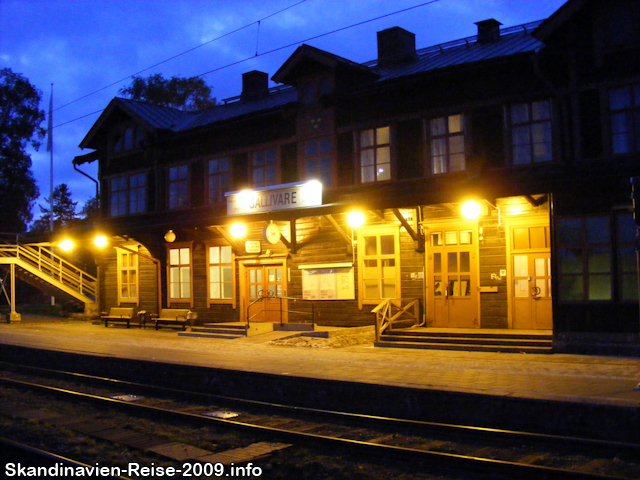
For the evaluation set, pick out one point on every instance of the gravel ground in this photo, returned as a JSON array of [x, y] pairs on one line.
[[335, 341]]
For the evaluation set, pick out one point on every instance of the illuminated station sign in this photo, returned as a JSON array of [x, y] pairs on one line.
[[278, 197]]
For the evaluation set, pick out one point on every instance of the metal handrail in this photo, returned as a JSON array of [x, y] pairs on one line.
[[53, 266], [268, 297]]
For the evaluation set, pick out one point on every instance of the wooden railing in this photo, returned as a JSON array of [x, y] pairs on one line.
[[54, 269], [391, 313]]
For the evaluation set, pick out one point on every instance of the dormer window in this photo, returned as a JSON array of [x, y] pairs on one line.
[[128, 138]]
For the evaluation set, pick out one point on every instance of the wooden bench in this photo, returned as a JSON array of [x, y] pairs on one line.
[[118, 315], [172, 317]]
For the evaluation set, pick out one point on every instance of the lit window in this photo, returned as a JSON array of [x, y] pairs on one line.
[[379, 263], [531, 132], [127, 275], [220, 273], [447, 144], [375, 155], [179, 273]]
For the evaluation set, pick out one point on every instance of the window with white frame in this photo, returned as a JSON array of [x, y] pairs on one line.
[[180, 273], [128, 195], [318, 161], [447, 144], [624, 104], [217, 179], [127, 274], [379, 264], [178, 187], [375, 155], [530, 130], [220, 274], [264, 168]]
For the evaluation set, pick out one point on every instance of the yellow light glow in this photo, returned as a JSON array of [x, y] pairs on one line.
[[66, 245], [471, 210], [238, 230], [100, 241], [355, 219]]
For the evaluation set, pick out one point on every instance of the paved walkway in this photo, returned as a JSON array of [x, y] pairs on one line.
[[574, 378]]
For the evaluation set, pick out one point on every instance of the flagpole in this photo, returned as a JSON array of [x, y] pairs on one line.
[[50, 150]]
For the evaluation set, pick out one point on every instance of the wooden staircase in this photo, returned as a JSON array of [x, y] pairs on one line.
[[50, 273], [479, 340]]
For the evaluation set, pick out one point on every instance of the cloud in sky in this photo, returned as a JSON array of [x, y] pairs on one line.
[[82, 46]]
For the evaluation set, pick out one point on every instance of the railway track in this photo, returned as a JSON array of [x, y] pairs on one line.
[[485, 452]]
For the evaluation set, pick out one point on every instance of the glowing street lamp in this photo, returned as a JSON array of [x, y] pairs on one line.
[[66, 245]]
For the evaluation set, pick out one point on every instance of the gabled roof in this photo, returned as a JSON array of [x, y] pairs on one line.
[[558, 18], [290, 71], [153, 116]]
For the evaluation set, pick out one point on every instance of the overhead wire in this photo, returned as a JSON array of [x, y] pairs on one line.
[[244, 59]]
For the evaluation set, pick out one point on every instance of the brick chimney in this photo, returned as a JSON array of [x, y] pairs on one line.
[[395, 45], [255, 85], [488, 31]]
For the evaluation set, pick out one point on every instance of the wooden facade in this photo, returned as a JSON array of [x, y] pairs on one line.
[[538, 123]]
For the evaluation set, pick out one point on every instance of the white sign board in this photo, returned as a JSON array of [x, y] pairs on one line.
[[278, 197]]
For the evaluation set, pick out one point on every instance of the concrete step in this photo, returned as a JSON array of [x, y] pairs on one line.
[[469, 340], [209, 335], [474, 347]]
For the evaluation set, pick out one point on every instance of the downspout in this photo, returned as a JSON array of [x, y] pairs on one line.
[[75, 167]]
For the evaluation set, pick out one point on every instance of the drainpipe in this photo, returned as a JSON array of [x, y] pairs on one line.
[[75, 167]]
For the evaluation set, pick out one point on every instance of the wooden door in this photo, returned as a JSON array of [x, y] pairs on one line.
[[532, 291], [452, 278], [266, 282]]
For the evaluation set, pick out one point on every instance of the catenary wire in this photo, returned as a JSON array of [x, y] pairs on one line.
[[223, 67]]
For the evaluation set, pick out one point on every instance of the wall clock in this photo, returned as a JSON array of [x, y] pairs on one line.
[[272, 233]]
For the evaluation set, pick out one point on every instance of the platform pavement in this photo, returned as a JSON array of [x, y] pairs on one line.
[[574, 378]]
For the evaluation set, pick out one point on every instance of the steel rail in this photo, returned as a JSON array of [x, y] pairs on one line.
[[12, 447], [423, 426], [372, 450]]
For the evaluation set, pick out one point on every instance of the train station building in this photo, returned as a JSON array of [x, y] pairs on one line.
[[477, 187]]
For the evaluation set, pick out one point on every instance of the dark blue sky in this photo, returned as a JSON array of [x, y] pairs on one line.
[[83, 46]]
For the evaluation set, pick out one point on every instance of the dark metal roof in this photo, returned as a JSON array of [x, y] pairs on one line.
[[162, 118], [513, 40]]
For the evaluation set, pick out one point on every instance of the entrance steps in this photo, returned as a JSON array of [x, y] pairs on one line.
[[479, 340], [231, 330]]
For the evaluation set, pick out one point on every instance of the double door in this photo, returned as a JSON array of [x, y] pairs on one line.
[[265, 283], [452, 277]]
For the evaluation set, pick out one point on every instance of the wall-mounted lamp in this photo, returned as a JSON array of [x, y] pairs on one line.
[[100, 241], [355, 219], [170, 236], [470, 210], [238, 230]]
